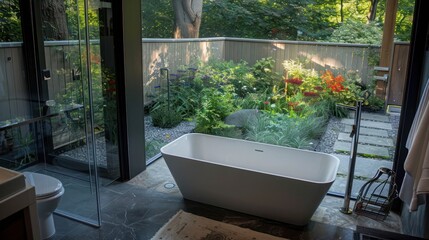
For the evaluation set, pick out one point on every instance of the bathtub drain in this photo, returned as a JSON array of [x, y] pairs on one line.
[[169, 185]]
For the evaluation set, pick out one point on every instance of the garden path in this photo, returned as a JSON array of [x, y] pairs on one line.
[[375, 149]]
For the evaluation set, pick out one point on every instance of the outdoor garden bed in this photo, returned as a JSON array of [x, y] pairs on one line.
[[256, 103]]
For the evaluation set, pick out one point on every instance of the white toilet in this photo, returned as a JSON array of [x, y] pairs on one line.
[[48, 194]]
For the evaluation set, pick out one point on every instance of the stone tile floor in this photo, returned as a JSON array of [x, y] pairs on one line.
[[138, 208], [376, 148]]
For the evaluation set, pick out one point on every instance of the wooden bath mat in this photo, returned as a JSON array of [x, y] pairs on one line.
[[185, 225]]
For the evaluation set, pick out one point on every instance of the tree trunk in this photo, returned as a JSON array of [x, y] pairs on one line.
[[54, 20], [187, 18], [373, 10], [342, 10]]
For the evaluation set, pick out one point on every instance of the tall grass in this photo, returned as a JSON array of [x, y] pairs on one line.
[[281, 129]]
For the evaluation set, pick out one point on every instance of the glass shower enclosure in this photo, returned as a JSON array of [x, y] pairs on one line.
[[66, 126]]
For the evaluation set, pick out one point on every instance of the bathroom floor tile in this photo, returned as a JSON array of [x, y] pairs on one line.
[[138, 208]]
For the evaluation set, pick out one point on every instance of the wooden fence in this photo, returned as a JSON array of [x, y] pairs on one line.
[[318, 55], [172, 54], [175, 54]]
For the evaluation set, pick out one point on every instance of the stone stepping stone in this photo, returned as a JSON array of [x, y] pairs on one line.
[[372, 116], [364, 167], [369, 150], [387, 142], [371, 124], [339, 186], [367, 131]]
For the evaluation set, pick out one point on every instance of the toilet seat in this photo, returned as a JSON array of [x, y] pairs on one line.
[[45, 186]]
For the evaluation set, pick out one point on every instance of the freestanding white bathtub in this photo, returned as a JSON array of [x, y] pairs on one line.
[[274, 182]]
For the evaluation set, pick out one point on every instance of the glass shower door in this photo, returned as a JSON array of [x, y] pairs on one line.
[[80, 140], [69, 135]]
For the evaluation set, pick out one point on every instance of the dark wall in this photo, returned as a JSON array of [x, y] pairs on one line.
[[415, 223]]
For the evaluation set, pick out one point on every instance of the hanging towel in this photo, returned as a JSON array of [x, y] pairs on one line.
[[417, 118], [416, 181]]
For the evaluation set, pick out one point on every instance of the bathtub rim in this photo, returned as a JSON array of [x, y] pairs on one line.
[[337, 160]]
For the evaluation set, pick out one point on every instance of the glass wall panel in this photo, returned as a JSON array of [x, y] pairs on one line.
[[80, 58], [69, 131], [282, 75], [67, 114], [17, 130]]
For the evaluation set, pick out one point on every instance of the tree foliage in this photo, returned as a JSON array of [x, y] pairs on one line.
[[75, 17], [276, 19], [10, 22], [158, 19], [312, 20], [63, 21], [357, 32]]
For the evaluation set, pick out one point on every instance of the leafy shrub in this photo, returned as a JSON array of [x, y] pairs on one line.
[[252, 101], [328, 107], [183, 95], [342, 91], [228, 131], [334, 87], [357, 32], [216, 104], [219, 73], [165, 117], [266, 77], [374, 103]]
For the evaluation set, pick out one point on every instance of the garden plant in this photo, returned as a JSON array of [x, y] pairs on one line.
[[292, 107]]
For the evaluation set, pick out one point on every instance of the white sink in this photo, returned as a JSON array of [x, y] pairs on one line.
[[10, 182]]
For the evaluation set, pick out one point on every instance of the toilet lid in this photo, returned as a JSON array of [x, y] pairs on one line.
[[44, 185]]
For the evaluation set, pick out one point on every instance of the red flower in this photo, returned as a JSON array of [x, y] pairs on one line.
[[295, 81], [318, 88], [266, 102], [311, 94], [334, 83]]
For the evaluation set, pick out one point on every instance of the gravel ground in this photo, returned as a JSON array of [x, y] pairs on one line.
[[166, 134], [327, 141], [152, 133], [325, 144], [81, 153]]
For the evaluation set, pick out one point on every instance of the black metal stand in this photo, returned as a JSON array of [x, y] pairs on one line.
[[353, 151], [165, 73]]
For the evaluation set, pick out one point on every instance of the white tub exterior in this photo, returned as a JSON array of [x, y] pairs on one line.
[[274, 182]]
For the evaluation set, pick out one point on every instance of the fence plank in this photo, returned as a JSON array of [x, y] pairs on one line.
[[21, 87], [10, 76], [4, 88]]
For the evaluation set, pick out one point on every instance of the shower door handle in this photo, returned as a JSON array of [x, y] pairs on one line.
[[46, 73]]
